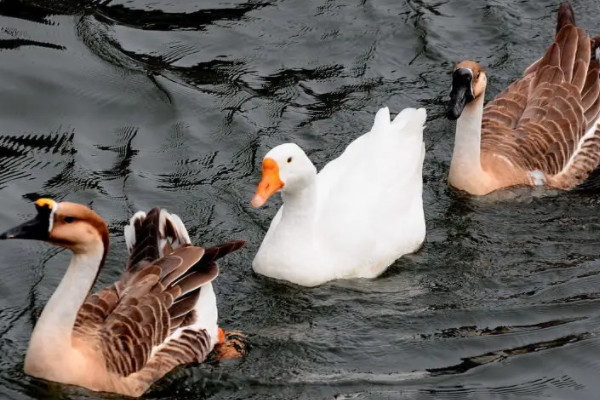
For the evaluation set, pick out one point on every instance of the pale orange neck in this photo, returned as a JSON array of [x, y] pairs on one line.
[[51, 337], [465, 169]]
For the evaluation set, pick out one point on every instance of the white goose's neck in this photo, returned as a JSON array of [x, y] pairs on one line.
[[466, 157], [51, 336], [287, 251], [300, 205]]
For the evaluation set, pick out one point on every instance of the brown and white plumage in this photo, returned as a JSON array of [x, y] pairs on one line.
[[542, 130], [160, 314]]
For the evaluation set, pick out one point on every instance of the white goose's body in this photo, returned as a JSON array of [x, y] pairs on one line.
[[161, 313], [358, 215]]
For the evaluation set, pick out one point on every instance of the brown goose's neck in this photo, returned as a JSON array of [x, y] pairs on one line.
[[466, 172], [51, 337]]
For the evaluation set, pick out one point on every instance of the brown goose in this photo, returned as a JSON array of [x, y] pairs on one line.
[[542, 130], [161, 313]]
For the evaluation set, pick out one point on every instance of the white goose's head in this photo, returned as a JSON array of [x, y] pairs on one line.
[[468, 83], [70, 225], [286, 168]]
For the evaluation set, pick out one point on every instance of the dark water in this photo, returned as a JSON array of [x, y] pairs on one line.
[[131, 104]]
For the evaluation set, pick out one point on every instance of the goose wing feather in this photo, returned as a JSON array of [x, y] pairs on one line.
[[141, 326], [546, 120]]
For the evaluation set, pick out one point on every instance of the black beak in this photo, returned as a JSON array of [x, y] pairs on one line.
[[461, 93], [36, 228]]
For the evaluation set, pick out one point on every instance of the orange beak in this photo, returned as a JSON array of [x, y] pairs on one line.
[[269, 184]]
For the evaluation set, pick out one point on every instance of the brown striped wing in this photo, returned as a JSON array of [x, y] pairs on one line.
[[538, 123], [140, 311], [128, 320]]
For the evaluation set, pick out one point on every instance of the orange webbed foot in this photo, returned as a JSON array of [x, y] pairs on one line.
[[231, 346]]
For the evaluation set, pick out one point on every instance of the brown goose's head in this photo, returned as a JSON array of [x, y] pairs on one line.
[[468, 83], [70, 225]]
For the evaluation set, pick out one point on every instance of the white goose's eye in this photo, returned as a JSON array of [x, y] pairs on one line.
[[289, 160]]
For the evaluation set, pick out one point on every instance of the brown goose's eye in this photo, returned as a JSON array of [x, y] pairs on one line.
[[68, 220]]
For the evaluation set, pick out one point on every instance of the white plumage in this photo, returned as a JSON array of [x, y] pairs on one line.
[[358, 215]]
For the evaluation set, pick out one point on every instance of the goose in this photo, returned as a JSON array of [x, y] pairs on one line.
[[543, 130], [161, 313], [353, 219]]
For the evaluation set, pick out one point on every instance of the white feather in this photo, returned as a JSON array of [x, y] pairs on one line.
[[129, 230], [52, 212], [182, 234], [181, 229], [539, 178]]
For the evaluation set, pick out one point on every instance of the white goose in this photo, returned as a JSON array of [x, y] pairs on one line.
[[542, 130], [353, 219], [162, 312]]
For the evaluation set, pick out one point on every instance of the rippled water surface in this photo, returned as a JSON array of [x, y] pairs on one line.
[[129, 104]]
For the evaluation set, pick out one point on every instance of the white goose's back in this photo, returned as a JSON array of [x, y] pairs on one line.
[[372, 212]]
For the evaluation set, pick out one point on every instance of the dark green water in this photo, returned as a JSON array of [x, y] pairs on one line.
[[132, 104]]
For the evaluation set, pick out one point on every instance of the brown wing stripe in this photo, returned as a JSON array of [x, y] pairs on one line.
[[190, 347], [185, 304], [216, 252], [146, 240], [565, 17], [195, 280]]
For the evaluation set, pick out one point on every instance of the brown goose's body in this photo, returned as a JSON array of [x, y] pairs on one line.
[[161, 313], [542, 130]]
